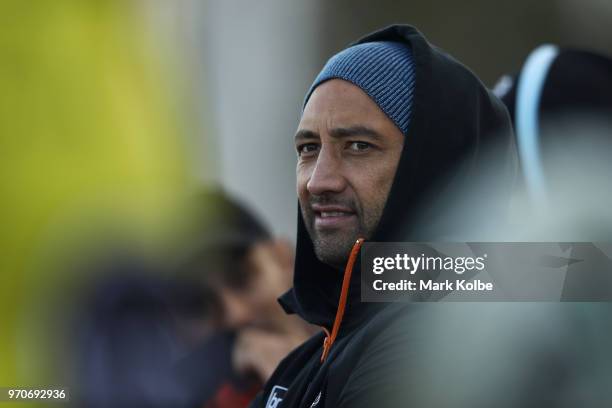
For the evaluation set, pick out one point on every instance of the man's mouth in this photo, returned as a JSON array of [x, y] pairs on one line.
[[333, 216]]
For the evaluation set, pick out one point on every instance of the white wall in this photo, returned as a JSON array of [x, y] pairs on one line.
[[248, 64]]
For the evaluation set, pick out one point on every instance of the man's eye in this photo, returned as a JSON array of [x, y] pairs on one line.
[[360, 146], [307, 149]]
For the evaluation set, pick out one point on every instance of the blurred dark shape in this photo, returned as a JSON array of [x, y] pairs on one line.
[[147, 336], [560, 96], [209, 379], [127, 341], [218, 240], [219, 236], [139, 346], [575, 81], [157, 334]]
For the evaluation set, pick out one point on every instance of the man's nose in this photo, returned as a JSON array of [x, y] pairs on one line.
[[326, 176]]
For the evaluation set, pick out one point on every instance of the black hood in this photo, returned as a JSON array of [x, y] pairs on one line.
[[454, 118]]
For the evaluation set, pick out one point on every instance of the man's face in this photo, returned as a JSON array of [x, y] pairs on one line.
[[348, 152], [251, 299]]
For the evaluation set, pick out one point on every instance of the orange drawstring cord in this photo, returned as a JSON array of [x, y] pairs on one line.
[[348, 271]]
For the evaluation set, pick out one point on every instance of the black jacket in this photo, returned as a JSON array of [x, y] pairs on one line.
[[454, 117]]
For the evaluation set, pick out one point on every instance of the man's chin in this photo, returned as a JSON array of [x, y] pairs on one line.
[[334, 249]]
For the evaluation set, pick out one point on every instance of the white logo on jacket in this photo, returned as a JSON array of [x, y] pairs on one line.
[[316, 401], [276, 396]]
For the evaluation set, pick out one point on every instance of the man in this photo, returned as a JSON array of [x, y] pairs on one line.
[[384, 126], [210, 336], [236, 271]]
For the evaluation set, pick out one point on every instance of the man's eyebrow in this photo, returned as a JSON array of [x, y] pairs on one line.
[[357, 130], [306, 134], [340, 133]]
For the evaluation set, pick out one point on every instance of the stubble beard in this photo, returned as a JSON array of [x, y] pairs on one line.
[[333, 247]]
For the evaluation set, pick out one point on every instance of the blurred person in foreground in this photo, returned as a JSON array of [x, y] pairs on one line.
[[383, 126], [561, 107], [237, 271], [537, 354]]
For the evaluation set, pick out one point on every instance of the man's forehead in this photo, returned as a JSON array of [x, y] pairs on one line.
[[338, 104], [339, 96]]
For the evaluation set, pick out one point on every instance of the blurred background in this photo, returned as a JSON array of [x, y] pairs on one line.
[[249, 65], [115, 113]]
